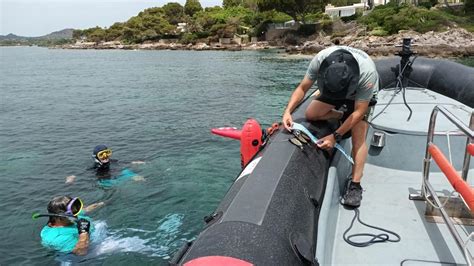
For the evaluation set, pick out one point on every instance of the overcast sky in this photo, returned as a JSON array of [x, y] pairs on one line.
[[40, 17]]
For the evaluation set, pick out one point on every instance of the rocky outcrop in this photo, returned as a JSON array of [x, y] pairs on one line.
[[454, 42], [199, 46]]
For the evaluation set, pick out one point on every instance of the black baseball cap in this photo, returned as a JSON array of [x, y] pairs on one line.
[[338, 75]]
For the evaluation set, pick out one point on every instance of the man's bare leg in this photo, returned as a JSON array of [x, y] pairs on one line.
[[353, 194], [359, 149], [318, 110]]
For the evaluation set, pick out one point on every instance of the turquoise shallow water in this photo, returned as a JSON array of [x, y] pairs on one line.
[[154, 106]]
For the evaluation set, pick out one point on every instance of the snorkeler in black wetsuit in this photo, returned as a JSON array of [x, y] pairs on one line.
[[106, 174], [102, 161]]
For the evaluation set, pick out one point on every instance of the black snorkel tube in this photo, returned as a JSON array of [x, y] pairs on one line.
[[38, 215]]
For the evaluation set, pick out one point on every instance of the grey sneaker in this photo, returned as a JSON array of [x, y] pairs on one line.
[[353, 196]]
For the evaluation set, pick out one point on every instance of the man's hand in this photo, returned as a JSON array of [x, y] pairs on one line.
[[138, 178], [82, 245], [83, 226], [70, 179], [327, 143], [287, 121], [94, 206]]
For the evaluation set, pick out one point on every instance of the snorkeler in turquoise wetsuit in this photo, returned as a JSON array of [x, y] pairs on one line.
[[68, 229], [106, 169]]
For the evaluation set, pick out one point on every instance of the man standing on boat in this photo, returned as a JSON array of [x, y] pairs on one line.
[[346, 77]]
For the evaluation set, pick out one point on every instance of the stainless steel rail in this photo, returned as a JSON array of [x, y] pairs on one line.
[[426, 186], [467, 156]]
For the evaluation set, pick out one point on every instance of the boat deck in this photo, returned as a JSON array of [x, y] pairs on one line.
[[391, 174], [386, 204]]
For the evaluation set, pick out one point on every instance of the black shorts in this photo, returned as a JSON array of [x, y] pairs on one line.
[[349, 106]]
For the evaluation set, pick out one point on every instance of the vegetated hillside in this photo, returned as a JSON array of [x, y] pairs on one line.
[[12, 37], [191, 23], [54, 38], [62, 34]]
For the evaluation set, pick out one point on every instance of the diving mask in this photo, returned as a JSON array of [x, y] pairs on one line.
[[74, 207], [104, 154]]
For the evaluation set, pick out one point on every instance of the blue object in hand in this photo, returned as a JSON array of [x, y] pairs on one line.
[[315, 140]]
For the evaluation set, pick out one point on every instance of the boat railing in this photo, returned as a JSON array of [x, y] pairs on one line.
[[459, 182]]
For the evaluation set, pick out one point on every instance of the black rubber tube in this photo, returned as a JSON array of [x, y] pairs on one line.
[[448, 78]]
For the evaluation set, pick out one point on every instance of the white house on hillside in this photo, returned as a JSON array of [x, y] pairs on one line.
[[346, 11]]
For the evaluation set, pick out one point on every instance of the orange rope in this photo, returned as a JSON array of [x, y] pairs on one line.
[[272, 129], [461, 186]]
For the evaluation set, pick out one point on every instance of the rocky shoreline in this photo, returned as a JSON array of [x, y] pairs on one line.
[[199, 46], [455, 42]]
